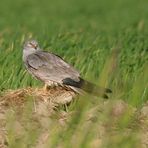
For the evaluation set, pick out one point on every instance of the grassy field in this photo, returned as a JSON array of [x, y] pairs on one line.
[[107, 41]]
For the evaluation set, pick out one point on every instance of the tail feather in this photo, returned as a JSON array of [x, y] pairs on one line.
[[87, 87]]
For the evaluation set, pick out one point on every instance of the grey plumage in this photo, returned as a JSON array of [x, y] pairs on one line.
[[51, 68]]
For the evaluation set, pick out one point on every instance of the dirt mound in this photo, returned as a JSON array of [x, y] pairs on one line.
[[35, 109], [43, 104], [18, 97]]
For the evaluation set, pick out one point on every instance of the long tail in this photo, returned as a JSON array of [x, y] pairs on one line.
[[87, 87]]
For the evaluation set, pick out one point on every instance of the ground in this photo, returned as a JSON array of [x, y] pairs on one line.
[[45, 105]]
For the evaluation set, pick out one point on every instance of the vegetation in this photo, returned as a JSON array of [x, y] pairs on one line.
[[107, 41]]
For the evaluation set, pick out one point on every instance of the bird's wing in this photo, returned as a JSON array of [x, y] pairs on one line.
[[49, 67]]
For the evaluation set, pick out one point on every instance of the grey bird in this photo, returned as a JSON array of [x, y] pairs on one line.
[[53, 70]]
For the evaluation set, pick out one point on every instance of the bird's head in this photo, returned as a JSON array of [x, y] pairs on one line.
[[31, 46]]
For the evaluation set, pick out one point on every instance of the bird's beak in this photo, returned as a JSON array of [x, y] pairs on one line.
[[35, 47]]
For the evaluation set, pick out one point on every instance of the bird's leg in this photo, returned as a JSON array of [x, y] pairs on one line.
[[46, 87], [50, 86]]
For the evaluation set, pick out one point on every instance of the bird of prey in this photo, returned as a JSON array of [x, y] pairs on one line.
[[53, 70]]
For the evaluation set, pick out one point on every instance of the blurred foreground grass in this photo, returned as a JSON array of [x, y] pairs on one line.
[[106, 40]]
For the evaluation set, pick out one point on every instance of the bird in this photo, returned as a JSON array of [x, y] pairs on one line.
[[52, 70]]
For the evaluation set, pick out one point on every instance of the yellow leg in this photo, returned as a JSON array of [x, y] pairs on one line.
[[45, 88]]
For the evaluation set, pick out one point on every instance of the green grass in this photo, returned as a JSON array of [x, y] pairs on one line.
[[107, 41]]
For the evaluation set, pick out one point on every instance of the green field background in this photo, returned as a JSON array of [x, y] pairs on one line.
[[106, 40], [87, 34]]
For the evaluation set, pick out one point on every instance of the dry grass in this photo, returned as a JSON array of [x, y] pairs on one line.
[[44, 104], [19, 97], [14, 104]]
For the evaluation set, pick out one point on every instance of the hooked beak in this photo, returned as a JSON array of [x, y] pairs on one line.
[[35, 47]]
